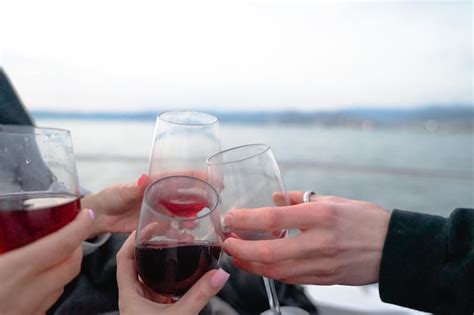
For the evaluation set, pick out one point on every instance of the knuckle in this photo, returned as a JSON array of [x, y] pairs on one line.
[[328, 214], [329, 271], [119, 254], [275, 272], [266, 254], [199, 295], [272, 219], [328, 246]]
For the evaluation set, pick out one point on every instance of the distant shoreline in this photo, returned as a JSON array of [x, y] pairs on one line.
[[431, 118]]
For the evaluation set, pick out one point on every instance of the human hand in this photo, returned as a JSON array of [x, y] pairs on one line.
[[340, 240], [136, 298], [33, 277], [117, 207]]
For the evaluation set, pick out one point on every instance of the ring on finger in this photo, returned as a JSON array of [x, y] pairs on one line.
[[307, 196]]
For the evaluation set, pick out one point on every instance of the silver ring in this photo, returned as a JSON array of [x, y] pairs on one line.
[[307, 196]]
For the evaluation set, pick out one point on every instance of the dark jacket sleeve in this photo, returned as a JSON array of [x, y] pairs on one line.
[[428, 262], [12, 111]]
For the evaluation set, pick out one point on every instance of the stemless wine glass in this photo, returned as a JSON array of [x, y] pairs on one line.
[[172, 250], [39, 189], [248, 177], [182, 143]]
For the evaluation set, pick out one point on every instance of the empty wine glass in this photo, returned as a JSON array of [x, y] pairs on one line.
[[248, 177], [182, 142], [39, 187], [172, 250]]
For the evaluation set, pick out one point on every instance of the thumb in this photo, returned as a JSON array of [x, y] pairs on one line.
[[202, 291], [57, 246]]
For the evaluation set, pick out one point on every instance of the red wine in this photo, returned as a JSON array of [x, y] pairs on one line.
[[185, 205], [25, 218], [172, 268]]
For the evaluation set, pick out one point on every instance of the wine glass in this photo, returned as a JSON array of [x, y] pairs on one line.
[[183, 141], [179, 235], [39, 187], [248, 177]]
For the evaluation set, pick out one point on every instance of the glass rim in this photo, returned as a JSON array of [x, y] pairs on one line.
[[213, 119], [170, 218], [36, 131], [266, 148]]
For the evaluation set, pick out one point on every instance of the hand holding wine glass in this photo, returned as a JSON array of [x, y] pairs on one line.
[[117, 207], [40, 230], [334, 246], [136, 298], [178, 238], [33, 277]]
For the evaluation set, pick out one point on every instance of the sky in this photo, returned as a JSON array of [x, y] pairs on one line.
[[237, 55]]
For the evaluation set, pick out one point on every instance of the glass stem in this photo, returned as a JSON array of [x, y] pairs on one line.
[[272, 296]]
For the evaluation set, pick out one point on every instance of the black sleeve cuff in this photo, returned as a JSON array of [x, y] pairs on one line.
[[412, 257], [428, 262]]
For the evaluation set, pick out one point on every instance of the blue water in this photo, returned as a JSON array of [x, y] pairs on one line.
[[406, 169]]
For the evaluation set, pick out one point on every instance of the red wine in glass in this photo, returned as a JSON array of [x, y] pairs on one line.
[[27, 217], [171, 268], [183, 205]]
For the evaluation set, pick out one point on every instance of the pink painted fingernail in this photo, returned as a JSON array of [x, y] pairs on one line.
[[228, 220], [91, 214], [219, 278], [141, 179]]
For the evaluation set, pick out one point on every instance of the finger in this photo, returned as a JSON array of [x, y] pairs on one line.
[[292, 198], [136, 190], [202, 291], [56, 247], [291, 269], [143, 181], [50, 300], [127, 278], [268, 251], [296, 197], [45, 288], [301, 216], [316, 280], [56, 277]]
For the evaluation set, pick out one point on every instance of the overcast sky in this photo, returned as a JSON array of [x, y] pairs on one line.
[[237, 55]]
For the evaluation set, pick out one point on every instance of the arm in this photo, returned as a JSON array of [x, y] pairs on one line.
[[422, 261], [428, 262]]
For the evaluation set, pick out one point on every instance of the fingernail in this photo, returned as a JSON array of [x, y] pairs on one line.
[[91, 214], [219, 278], [141, 179], [228, 220]]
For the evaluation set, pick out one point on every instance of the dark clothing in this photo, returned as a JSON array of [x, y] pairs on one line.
[[428, 262], [35, 174], [12, 111], [246, 293], [95, 290]]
